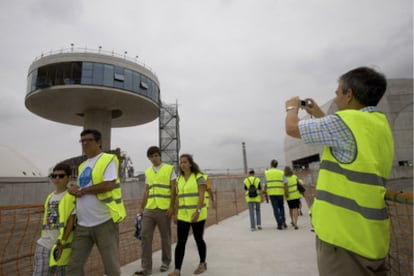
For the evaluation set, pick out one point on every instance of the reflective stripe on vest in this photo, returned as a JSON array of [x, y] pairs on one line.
[[361, 177], [274, 182], [112, 199], [349, 209], [350, 204], [159, 187], [188, 198]]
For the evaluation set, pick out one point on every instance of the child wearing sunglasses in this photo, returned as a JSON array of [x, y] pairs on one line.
[[53, 247]]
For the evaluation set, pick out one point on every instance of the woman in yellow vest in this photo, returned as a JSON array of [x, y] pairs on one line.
[[293, 196], [192, 212]]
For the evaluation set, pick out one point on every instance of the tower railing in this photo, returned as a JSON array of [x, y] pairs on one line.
[[95, 51]]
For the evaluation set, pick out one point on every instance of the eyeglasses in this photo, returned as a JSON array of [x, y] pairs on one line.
[[60, 175], [86, 140]]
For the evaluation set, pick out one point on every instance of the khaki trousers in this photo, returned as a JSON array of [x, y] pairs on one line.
[[333, 260], [150, 219], [106, 238]]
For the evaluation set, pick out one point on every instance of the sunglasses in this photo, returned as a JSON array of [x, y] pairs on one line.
[[86, 140], [60, 175]]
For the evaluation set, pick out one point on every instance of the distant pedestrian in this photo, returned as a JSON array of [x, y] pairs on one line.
[[253, 198], [293, 196], [276, 188], [99, 207], [302, 191], [349, 212], [192, 212], [157, 208], [52, 253]]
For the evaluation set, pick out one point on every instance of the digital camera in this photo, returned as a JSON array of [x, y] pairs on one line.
[[304, 103]]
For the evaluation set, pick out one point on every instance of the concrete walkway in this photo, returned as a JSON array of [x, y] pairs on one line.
[[232, 249]]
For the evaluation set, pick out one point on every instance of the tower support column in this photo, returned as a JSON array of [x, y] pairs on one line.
[[101, 121]]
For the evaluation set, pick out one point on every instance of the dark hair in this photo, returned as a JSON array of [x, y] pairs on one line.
[[63, 167], [367, 85], [153, 149], [288, 171], [251, 172], [96, 134], [194, 166], [274, 163]]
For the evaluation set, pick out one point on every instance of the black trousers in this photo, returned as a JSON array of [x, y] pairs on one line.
[[183, 228]]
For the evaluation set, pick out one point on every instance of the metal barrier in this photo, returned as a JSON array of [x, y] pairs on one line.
[[20, 228]]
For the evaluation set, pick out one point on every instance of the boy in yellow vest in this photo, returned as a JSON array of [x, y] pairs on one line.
[[253, 191], [157, 208], [53, 247]]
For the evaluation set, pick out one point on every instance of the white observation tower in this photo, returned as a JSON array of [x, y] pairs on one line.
[[93, 89]]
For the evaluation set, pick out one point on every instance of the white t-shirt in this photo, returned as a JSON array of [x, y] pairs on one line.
[[89, 209], [157, 168], [51, 230]]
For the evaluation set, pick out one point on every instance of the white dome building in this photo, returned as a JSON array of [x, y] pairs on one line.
[[14, 164]]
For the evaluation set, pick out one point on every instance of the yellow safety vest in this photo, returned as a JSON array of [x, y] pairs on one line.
[[274, 182], [112, 199], [188, 198], [252, 180], [293, 187], [65, 208], [159, 192], [349, 210]]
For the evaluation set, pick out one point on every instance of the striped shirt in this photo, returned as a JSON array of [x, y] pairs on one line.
[[331, 131]]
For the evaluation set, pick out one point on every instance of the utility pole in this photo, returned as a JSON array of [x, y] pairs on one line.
[[244, 157]]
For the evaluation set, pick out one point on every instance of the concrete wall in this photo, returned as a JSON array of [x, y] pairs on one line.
[[16, 191]]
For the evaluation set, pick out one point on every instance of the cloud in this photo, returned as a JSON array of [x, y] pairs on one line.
[[230, 65], [54, 12]]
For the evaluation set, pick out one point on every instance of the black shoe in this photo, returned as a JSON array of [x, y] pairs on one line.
[[284, 225], [142, 272], [279, 228]]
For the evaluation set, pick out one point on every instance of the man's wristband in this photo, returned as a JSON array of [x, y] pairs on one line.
[[291, 108]]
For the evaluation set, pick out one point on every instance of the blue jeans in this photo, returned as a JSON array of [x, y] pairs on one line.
[[278, 209], [252, 207]]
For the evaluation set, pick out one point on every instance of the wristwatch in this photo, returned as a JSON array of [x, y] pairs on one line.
[[198, 210]]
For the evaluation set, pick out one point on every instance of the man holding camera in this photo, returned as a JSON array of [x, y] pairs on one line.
[[349, 213]]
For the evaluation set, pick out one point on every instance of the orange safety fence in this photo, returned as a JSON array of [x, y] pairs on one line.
[[20, 228], [400, 210]]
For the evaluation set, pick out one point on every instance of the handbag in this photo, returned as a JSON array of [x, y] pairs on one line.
[[301, 189]]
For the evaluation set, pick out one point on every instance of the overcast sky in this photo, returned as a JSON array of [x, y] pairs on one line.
[[230, 65]]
